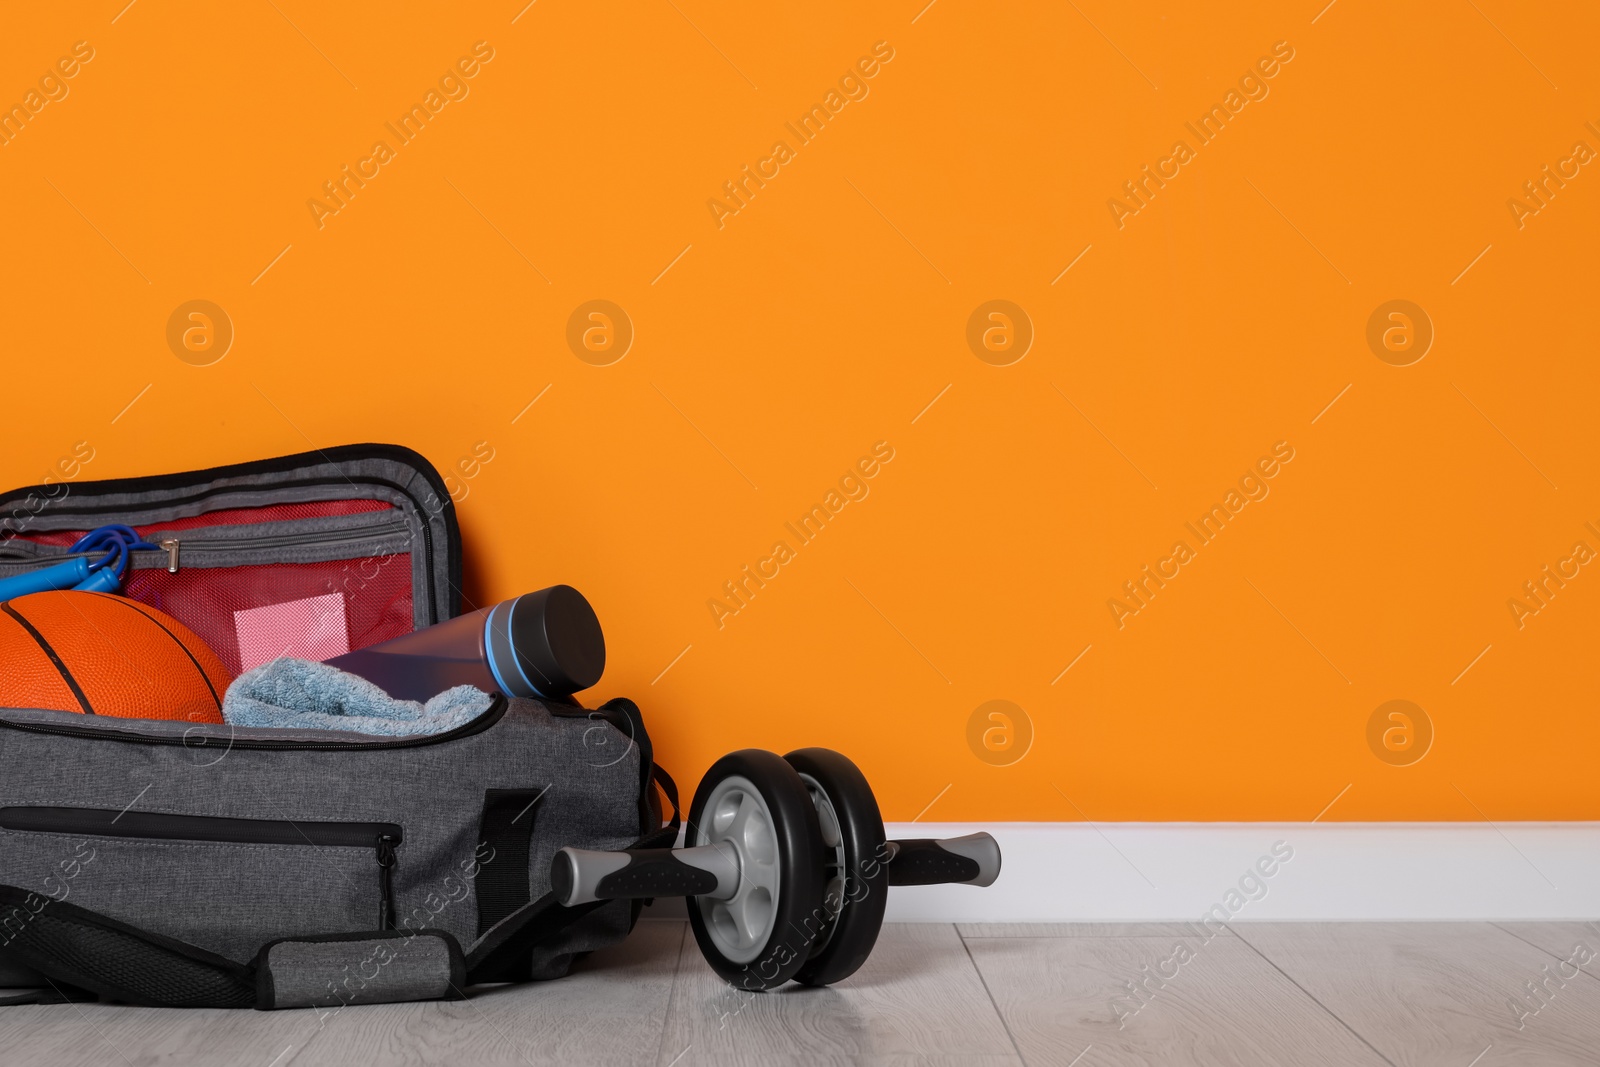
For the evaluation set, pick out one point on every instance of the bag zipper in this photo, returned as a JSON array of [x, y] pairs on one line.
[[496, 711], [386, 861], [173, 543], [381, 837]]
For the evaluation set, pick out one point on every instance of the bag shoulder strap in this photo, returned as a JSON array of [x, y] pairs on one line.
[[73, 946], [669, 789], [58, 993], [84, 955]]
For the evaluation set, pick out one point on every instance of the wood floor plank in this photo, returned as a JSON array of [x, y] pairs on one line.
[[917, 999], [1562, 940], [1224, 1007], [1167, 930], [105, 1035], [1438, 993], [1264, 993]]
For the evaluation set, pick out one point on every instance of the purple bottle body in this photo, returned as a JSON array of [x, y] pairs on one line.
[[545, 645]]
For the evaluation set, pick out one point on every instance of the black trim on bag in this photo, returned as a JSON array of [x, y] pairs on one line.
[[106, 822], [506, 828]]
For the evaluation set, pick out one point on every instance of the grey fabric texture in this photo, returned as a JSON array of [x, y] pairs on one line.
[[229, 898], [233, 898], [300, 694], [326, 974]]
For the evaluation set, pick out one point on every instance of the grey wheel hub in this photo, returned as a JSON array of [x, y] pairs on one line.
[[737, 820]]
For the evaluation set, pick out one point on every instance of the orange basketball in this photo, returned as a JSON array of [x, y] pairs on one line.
[[100, 654]]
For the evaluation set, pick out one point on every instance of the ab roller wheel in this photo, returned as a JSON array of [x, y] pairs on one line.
[[753, 806], [852, 836], [785, 868]]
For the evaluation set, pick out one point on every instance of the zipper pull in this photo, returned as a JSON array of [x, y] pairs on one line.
[[171, 545], [385, 851], [386, 861]]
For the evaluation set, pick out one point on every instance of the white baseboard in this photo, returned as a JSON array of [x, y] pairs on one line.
[[1177, 872], [1170, 872]]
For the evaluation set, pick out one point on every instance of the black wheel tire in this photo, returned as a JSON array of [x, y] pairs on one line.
[[798, 837], [854, 896]]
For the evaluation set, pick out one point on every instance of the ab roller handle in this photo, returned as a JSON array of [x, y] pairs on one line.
[[787, 872], [970, 860], [580, 876]]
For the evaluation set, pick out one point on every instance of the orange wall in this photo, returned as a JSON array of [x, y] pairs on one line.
[[785, 340]]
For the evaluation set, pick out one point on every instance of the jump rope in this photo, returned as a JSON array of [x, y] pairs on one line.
[[102, 575]]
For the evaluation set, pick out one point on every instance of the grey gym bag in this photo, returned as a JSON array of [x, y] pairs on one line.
[[169, 863], [184, 864]]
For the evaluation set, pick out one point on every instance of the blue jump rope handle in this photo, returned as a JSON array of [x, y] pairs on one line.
[[101, 581], [61, 576], [103, 575]]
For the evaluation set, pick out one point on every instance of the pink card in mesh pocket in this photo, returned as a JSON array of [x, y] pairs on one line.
[[311, 628]]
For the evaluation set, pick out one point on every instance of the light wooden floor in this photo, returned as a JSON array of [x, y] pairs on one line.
[[1262, 993]]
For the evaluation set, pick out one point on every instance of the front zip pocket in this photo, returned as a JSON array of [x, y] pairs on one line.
[[381, 837]]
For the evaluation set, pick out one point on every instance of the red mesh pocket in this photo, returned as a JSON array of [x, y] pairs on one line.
[[374, 592], [376, 599]]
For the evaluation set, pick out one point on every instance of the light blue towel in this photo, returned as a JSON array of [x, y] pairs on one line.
[[300, 694]]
